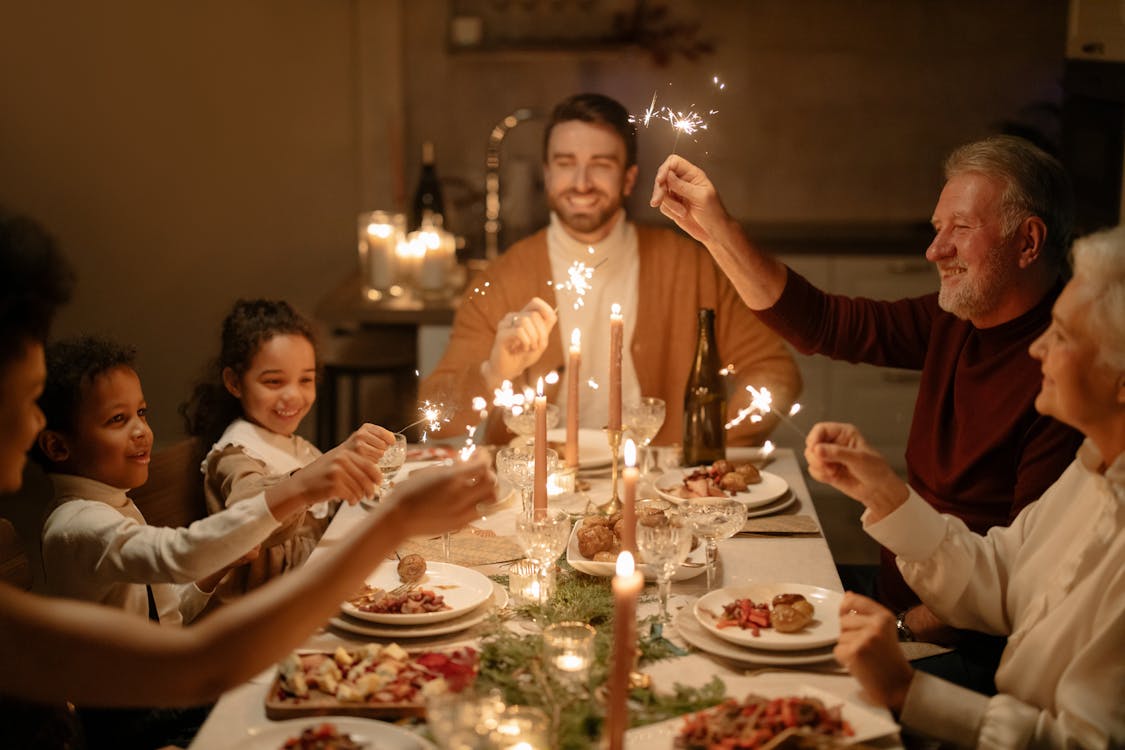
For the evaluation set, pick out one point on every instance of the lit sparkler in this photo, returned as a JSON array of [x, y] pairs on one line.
[[433, 414], [578, 280], [761, 403]]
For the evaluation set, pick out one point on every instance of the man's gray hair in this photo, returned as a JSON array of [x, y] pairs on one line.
[[1099, 259], [1035, 184]]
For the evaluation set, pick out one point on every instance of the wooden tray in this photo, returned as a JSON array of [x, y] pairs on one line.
[[280, 705]]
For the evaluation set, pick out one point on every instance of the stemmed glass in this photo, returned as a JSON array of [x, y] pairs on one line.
[[543, 534], [517, 465], [714, 518], [392, 460], [664, 544], [643, 419], [523, 424]]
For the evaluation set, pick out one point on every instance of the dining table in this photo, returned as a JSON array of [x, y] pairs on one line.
[[801, 558]]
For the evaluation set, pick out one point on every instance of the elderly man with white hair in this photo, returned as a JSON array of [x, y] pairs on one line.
[[1053, 582]]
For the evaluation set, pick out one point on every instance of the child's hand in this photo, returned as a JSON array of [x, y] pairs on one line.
[[372, 437], [350, 471], [442, 498]]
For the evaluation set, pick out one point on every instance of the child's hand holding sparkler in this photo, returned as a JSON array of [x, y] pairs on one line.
[[521, 339]]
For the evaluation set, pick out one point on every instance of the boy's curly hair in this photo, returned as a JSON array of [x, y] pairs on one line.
[[251, 323], [73, 364]]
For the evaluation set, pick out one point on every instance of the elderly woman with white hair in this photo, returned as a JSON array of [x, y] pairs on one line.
[[1053, 582]]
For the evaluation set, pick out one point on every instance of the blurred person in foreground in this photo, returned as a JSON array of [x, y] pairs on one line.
[[517, 317], [977, 448], [1053, 582], [53, 650]]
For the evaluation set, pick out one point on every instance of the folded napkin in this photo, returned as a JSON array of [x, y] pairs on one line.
[[781, 525], [468, 547]]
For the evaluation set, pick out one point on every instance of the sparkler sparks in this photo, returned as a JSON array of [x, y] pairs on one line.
[[433, 415], [761, 403], [578, 280], [688, 122]]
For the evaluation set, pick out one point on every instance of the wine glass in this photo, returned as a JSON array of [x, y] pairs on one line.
[[391, 461], [664, 541], [643, 419], [523, 424], [517, 465], [714, 518], [543, 534]]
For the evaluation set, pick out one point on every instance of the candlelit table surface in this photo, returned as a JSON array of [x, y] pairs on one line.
[[803, 559]]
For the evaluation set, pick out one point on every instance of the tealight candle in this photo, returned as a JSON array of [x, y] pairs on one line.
[[525, 586], [568, 648]]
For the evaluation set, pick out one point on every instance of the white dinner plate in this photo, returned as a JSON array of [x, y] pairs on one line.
[[824, 630], [580, 562], [695, 634], [593, 447], [498, 601], [463, 589], [756, 495], [776, 506], [867, 722], [370, 732]]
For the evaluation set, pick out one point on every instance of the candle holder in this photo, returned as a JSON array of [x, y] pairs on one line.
[[528, 584], [614, 438], [568, 649]]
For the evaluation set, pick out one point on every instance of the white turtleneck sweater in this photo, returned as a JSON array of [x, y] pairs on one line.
[[97, 548], [615, 281]]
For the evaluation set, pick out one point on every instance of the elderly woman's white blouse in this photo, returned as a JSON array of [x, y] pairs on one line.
[[1054, 583]]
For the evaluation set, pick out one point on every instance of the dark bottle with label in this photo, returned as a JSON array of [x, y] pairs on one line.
[[427, 198], [705, 400]]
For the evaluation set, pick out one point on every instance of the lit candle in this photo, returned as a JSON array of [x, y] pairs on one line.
[[627, 584], [572, 398], [629, 503], [409, 255], [539, 498], [570, 662], [616, 337]]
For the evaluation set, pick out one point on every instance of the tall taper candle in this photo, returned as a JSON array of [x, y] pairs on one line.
[[627, 584], [629, 503], [539, 498], [616, 338], [572, 369]]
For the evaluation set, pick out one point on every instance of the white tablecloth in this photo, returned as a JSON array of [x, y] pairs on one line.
[[790, 559]]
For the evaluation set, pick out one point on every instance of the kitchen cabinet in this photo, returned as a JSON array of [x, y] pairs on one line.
[[879, 400]]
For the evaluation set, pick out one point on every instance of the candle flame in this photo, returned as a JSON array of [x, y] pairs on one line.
[[794, 408], [615, 311], [625, 564], [382, 231], [576, 338], [592, 384], [630, 453], [767, 448], [539, 387]]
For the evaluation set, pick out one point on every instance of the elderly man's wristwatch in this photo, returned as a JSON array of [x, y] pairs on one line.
[[904, 631]]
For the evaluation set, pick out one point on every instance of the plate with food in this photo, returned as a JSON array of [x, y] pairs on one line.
[[371, 681], [768, 709], [473, 617], [772, 616], [341, 732], [413, 591], [595, 542], [593, 447], [739, 480], [698, 636]]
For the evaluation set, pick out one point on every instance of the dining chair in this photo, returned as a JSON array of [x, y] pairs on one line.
[[173, 494]]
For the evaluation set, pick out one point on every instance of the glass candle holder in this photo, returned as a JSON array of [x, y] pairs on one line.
[[521, 728], [568, 649], [526, 585], [379, 234]]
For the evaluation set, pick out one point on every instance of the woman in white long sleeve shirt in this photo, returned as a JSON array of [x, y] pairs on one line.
[[1053, 582]]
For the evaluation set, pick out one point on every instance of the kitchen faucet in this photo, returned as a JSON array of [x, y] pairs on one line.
[[492, 180]]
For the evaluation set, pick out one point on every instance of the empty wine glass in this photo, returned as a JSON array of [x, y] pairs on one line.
[[391, 461], [643, 419], [517, 465], [714, 518], [543, 534], [664, 541], [523, 424]]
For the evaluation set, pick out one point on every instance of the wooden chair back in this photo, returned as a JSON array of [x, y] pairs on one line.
[[173, 494]]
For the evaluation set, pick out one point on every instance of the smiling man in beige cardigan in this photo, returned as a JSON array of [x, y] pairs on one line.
[[507, 327]]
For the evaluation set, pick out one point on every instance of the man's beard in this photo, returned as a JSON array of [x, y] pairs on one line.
[[980, 295], [585, 222]]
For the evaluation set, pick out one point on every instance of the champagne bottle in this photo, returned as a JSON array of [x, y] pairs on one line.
[[705, 399], [427, 198]]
